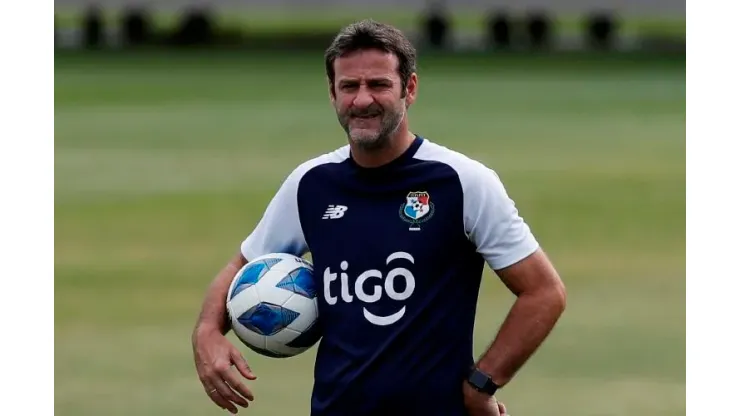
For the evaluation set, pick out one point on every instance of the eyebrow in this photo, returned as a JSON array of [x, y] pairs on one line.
[[379, 80]]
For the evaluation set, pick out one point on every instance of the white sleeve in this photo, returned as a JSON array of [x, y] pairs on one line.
[[279, 230], [492, 221]]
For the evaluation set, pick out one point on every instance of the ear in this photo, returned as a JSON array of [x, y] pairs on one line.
[[412, 87], [332, 96]]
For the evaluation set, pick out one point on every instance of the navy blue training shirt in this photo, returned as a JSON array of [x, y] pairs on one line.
[[398, 253]]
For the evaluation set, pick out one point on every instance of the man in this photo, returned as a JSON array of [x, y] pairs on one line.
[[399, 229]]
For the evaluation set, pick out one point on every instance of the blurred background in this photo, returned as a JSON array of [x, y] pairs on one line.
[[176, 121]]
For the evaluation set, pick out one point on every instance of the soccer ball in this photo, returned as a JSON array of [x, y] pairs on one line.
[[272, 305]]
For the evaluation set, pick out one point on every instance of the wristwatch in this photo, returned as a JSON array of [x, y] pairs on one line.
[[482, 382]]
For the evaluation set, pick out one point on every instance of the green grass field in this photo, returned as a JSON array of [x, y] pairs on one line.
[[164, 163]]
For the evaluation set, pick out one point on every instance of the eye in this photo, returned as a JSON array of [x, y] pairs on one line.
[[379, 84], [348, 86]]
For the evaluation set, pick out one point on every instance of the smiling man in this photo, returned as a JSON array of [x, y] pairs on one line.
[[399, 229]]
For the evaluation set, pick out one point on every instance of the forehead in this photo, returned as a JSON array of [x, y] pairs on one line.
[[369, 63]]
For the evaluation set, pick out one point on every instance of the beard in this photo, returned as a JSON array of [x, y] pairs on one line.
[[373, 126]]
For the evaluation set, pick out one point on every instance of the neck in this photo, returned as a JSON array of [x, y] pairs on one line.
[[397, 145]]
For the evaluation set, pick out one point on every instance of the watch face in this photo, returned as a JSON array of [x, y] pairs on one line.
[[479, 379]]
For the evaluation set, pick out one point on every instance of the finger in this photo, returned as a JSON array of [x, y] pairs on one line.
[[233, 381], [502, 409], [230, 396], [241, 365], [217, 398]]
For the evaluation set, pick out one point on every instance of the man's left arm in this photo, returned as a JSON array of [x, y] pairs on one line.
[[540, 301], [505, 241]]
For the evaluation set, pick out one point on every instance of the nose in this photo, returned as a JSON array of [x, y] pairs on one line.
[[363, 99]]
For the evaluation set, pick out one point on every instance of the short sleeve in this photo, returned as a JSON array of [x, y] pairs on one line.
[[492, 220], [279, 230]]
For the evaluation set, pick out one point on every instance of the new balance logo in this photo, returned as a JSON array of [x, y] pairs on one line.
[[334, 211]]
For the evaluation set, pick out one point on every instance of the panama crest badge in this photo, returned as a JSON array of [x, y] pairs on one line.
[[416, 210]]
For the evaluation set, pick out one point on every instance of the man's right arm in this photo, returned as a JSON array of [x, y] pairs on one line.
[[279, 231], [213, 312], [214, 354]]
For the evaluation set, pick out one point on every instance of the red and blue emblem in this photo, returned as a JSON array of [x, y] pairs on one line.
[[417, 209]]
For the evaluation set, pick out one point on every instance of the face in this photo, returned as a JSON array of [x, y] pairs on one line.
[[368, 99]]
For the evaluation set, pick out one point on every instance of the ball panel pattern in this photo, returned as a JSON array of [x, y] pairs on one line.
[[268, 353], [299, 281], [307, 338], [267, 318], [252, 273]]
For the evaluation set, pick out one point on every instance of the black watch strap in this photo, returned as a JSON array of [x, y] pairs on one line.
[[482, 382]]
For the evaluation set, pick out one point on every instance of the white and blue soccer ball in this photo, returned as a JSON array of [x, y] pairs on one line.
[[273, 307]]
